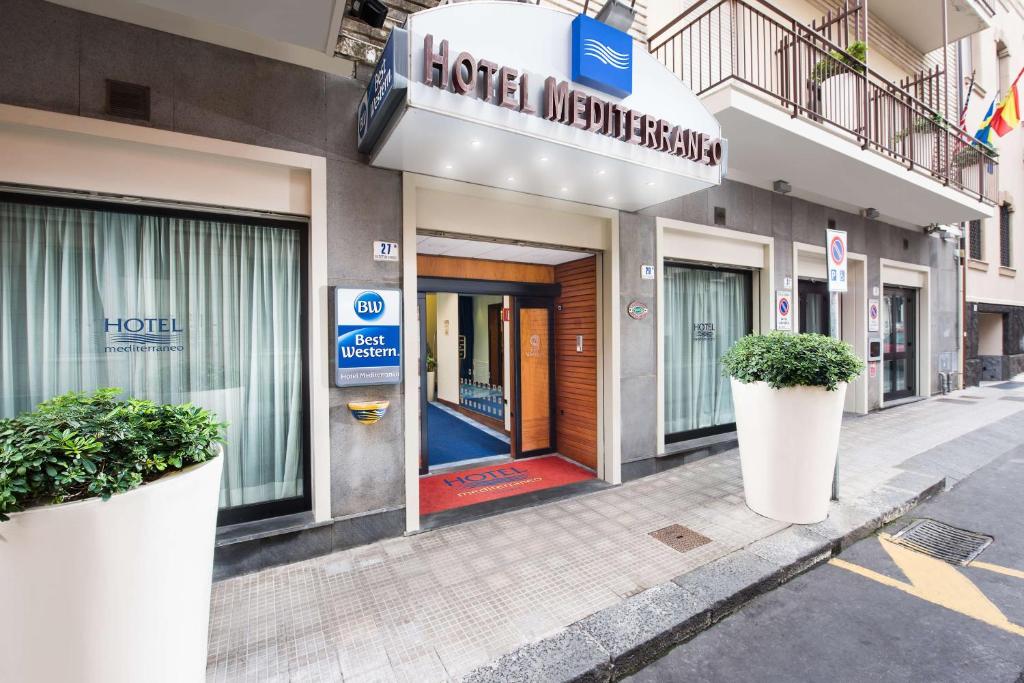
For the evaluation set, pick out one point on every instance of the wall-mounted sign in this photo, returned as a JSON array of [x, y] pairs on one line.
[[385, 251], [369, 336], [637, 310], [787, 282], [703, 331], [647, 272], [872, 370], [835, 246], [602, 56], [784, 310], [385, 91], [873, 315]]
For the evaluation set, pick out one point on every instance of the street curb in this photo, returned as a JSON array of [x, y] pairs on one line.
[[619, 640]]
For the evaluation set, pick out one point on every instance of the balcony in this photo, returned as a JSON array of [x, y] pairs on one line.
[[794, 106]]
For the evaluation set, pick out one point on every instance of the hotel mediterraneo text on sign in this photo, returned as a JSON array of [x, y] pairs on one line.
[[505, 86], [369, 336], [481, 73]]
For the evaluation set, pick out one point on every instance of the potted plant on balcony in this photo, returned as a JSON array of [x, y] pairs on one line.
[[837, 76], [924, 135], [109, 511], [788, 392]]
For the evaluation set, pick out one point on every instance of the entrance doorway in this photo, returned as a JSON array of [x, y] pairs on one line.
[[707, 310], [899, 352], [814, 306], [511, 411]]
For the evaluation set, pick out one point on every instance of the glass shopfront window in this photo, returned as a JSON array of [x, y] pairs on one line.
[[168, 306], [706, 311]]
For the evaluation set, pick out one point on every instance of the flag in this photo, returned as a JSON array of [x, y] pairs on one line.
[[967, 102], [1007, 116], [985, 130]]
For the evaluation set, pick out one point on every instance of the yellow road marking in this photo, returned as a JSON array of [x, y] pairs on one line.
[[1016, 573], [939, 583]]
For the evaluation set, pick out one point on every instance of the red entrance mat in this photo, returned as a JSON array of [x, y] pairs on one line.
[[459, 489]]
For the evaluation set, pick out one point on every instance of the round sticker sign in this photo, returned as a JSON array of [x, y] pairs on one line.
[[637, 310], [784, 306], [837, 250]]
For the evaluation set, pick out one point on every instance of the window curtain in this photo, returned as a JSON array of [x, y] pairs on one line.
[[220, 303], [706, 311]]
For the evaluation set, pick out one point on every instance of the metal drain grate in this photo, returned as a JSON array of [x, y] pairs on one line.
[[956, 401], [942, 541], [1008, 385], [680, 538], [1019, 399]]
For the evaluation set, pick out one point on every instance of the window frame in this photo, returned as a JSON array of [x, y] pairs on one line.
[[251, 511]]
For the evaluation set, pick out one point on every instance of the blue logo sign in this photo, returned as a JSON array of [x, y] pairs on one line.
[[602, 56], [369, 306], [384, 93], [369, 337]]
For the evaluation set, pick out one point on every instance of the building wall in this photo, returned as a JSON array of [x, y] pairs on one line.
[[57, 59]]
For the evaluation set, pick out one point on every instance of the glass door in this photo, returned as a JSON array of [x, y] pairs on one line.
[[898, 343], [814, 302], [706, 311], [534, 376]]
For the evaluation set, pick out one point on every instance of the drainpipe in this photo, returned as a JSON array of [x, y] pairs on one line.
[[945, 84], [867, 87]]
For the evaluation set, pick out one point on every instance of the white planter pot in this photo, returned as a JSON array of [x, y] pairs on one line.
[[839, 101], [431, 384], [788, 440], [112, 591]]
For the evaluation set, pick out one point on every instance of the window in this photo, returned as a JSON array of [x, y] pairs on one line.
[[707, 310], [974, 237], [1005, 210], [169, 306]]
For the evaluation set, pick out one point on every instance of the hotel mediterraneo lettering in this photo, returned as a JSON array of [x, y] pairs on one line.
[[139, 335], [507, 87]]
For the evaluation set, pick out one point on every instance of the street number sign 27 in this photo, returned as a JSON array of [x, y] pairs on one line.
[[835, 258]]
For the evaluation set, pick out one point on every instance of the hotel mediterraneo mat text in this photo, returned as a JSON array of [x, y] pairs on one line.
[[507, 87]]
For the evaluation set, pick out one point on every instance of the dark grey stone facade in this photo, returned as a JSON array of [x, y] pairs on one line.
[[1002, 367]]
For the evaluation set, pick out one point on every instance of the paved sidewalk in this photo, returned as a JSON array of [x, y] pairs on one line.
[[438, 605]]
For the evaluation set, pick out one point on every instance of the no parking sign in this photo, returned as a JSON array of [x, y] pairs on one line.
[[835, 244], [784, 310], [873, 314]]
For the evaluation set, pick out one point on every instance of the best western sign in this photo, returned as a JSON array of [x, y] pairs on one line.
[[369, 336]]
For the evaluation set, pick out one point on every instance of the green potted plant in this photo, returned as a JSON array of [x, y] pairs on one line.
[[431, 375], [923, 135], [109, 512], [837, 76], [788, 392]]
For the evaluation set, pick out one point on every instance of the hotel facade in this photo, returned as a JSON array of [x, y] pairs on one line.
[[424, 268]]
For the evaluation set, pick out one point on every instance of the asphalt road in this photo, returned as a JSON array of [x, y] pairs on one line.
[[878, 615]]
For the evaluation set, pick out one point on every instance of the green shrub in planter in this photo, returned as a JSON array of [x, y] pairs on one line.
[[839, 62], [792, 360], [80, 446]]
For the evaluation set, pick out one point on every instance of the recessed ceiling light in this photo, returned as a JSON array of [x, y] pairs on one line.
[[600, 171], [447, 167], [511, 179], [565, 189], [650, 183], [474, 144], [543, 160], [611, 198]]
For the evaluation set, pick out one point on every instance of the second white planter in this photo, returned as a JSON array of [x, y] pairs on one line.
[[788, 440]]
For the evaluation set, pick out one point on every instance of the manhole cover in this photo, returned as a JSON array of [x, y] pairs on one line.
[[942, 541], [1008, 385], [1019, 399], [680, 538], [956, 400], [970, 396]]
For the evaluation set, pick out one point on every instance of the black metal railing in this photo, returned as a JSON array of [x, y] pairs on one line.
[[807, 74]]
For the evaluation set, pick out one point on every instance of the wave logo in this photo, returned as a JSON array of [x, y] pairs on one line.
[[602, 56], [369, 306], [592, 47]]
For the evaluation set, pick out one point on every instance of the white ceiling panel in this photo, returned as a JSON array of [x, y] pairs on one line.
[[494, 251]]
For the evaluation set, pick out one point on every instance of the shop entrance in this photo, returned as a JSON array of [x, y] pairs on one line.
[[899, 369], [509, 405], [814, 306]]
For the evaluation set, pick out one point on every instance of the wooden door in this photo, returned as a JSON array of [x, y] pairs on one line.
[[534, 418], [495, 346]]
